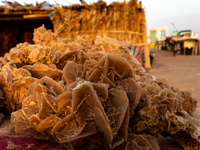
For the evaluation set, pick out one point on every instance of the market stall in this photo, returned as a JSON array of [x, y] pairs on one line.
[[188, 45]]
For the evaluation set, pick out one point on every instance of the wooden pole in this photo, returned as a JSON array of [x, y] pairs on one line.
[[146, 47]]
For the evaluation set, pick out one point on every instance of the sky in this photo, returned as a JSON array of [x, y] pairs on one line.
[[184, 14]]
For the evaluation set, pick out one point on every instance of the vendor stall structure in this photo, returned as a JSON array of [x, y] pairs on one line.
[[188, 45], [17, 23]]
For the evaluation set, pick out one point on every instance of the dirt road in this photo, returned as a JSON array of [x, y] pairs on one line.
[[182, 71]]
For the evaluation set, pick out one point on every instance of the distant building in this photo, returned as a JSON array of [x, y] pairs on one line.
[[157, 34]]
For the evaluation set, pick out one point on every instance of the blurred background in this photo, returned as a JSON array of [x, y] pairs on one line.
[[183, 14]]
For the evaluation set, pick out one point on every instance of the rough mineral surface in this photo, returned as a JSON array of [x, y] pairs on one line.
[[95, 49], [47, 38], [136, 141], [41, 70], [15, 84], [92, 94], [27, 53], [96, 105]]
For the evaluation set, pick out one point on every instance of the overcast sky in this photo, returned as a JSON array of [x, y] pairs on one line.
[[184, 14]]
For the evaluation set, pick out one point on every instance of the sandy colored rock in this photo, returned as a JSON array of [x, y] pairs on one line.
[[46, 38], [42, 70], [17, 82], [27, 53], [133, 90], [44, 114], [102, 101], [110, 69], [161, 110], [138, 142], [75, 56]]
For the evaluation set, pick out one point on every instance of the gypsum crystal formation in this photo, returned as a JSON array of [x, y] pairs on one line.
[[79, 79], [41, 36], [85, 68], [2, 99], [94, 48], [30, 54], [84, 46], [164, 109], [88, 114], [24, 64], [14, 84]]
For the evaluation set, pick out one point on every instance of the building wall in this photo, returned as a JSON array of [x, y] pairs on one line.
[[157, 31]]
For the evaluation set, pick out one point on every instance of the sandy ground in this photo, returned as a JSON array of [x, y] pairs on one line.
[[182, 71]]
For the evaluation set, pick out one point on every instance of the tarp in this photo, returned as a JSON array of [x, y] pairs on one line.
[[139, 53]]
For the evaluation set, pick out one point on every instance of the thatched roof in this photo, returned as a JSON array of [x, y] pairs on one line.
[[120, 20], [16, 8]]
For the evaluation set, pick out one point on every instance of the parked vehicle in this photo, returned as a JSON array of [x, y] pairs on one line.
[[184, 33]]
